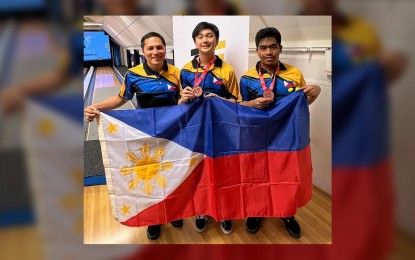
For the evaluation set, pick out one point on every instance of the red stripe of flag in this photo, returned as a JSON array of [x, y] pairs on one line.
[[244, 189]]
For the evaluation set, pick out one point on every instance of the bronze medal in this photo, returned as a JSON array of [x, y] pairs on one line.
[[197, 91], [268, 94]]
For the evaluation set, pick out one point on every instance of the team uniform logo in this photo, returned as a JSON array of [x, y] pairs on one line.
[[217, 81], [290, 86]]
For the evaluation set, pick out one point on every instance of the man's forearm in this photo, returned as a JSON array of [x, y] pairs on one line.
[[247, 103], [311, 99], [110, 103]]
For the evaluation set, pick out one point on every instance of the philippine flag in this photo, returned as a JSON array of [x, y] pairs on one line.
[[209, 157], [52, 127], [216, 81], [171, 87], [288, 84], [362, 172]]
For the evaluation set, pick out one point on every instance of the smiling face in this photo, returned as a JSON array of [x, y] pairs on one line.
[[268, 52], [206, 42], [154, 52]]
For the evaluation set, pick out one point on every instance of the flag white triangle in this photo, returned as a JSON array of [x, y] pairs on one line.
[[134, 179]]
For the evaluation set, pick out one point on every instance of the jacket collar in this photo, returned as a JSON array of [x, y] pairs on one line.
[[263, 71], [150, 71], [195, 63]]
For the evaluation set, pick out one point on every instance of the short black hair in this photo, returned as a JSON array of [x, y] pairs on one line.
[[268, 32], [152, 34], [203, 26]]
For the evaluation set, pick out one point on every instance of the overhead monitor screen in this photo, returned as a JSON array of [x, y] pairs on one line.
[[96, 46]]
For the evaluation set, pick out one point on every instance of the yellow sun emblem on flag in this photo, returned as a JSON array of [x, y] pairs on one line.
[[146, 168]]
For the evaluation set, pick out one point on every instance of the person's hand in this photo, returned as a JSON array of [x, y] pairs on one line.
[[261, 103], [394, 64], [211, 95], [90, 113], [187, 95], [216, 95], [11, 100], [312, 92]]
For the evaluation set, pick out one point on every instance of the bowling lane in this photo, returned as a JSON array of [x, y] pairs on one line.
[[106, 85], [105, 77]]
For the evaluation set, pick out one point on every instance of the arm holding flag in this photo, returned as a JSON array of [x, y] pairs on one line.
[[113, 102], [311, 91], [258, 103]]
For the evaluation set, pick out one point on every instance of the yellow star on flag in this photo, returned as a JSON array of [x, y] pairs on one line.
[[112, 128], [125, 209], [46, 127]]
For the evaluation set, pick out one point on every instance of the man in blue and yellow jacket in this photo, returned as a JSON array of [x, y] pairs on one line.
[[209, 76], [266, 83], [155, 84]]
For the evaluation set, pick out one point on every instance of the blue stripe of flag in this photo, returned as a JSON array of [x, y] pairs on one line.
[[216, 127], [360, 117]]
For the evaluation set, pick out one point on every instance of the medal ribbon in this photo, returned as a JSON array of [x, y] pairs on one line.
[[197, 79], [261, 78]]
